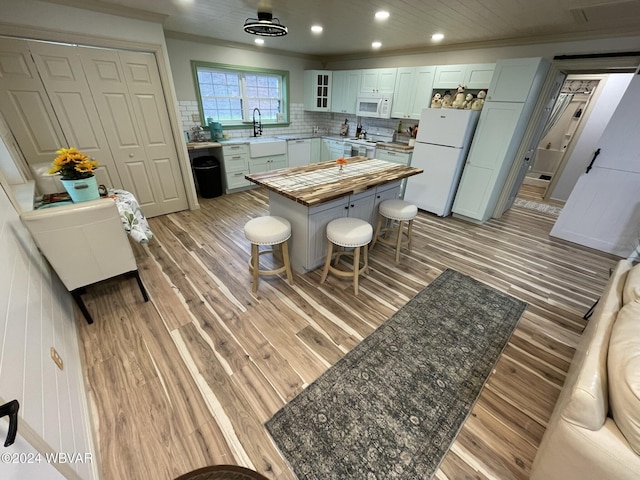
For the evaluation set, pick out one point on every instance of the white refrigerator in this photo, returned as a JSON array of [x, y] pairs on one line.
[[441, 148]]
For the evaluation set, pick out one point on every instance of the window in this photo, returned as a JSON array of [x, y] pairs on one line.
[[230, 94]]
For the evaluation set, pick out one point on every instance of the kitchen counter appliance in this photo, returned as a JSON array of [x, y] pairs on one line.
[[376, 105], [441, 149], [366, 147]]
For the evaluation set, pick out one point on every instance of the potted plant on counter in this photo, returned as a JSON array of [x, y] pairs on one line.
[[77, 174]]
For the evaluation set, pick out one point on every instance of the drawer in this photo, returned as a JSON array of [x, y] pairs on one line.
[[240, 148], [236, 162], [393, 156], [237, 180]]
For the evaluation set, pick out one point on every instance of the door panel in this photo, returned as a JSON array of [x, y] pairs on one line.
[[25, 105], [63, 76], [127, 89], [143, 80]]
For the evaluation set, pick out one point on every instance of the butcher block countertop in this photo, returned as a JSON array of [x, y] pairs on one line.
[[321, 182], [403, 147]]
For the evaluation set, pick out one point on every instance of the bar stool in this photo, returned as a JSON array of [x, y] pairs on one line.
[[268, 231], [346, 233], [392, 211]]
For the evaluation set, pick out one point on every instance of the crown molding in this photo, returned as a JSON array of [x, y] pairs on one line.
[[113, 9]]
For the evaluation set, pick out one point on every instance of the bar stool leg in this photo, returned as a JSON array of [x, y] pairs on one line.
[[327, 262], [409, 230], [356, 269], [377, 232], [255, 264], [284, 246], [366, 259], [399, 241]]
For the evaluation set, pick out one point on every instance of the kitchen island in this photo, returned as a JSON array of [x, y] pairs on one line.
[[312, 195]]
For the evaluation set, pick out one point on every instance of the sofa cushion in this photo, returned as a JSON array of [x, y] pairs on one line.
[[631, 292], [624, 373]]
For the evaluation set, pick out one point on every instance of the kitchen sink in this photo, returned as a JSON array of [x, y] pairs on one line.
[[266, 146]]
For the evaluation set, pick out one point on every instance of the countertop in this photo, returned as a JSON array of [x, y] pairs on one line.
[[293, 136], [197, 145], [404, 147], [318, 183]]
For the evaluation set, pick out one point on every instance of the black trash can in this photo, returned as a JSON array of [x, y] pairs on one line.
[[206, 170]]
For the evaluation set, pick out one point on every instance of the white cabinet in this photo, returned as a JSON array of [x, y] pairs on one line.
[[344, 90], [267, 164], [486, 164], [378, 80], [236, 166], [390, 191], [316, 148], [308, 247], [317, 90], [318, 219], [299, 152], [412, 92], [479, 75], [473, 76], [334, 149], [514, 79], [500, 130], [395, 156]]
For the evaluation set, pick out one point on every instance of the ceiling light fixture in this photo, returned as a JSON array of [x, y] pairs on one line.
[[376, 45], [436, 37], [259, 41], [316, 29], [382, 15], [265, 25]]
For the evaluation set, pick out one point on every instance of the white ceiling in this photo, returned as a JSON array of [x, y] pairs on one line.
[[350, 27]]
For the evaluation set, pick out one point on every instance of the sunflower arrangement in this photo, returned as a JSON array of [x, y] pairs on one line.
[[73, 165]]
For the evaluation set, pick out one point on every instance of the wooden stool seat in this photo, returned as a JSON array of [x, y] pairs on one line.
[[268, 231], [347, 233], [395, 213]]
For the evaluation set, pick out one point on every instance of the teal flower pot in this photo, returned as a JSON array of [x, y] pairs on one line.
[[82, 190]]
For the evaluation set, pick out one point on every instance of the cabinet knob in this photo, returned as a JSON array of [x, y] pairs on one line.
[[346, 208], [378, 196], [131, 155]]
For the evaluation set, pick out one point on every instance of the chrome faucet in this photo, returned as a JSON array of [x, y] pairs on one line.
[[257, 126]]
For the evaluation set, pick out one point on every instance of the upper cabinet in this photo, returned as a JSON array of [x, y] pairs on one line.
[[378, 80], [317, 90], [344, 90], [472, 76], [412, 92], [513, 79]]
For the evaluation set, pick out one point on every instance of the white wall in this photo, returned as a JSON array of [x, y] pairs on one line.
[[586, 145], [181, 52], [35, 315]]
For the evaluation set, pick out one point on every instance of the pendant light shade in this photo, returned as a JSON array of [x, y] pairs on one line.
[[265, 25]]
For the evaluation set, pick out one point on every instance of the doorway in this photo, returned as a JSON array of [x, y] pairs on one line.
[[558, 136]]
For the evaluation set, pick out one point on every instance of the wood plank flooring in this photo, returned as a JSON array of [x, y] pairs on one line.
[[189, 378]]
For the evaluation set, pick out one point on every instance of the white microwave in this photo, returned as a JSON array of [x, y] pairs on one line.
[[376, 105]]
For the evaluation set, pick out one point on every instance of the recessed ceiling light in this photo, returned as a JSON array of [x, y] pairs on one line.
[[382, 15], [376, 45], [436, 37], [316, 29], [259, 41]]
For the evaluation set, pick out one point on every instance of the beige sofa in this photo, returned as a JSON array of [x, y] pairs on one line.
[[594, 431]]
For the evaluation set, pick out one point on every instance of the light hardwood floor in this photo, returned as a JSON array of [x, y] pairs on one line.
[[189, 378]]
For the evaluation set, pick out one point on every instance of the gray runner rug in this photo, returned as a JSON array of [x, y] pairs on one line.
[[391, 408]]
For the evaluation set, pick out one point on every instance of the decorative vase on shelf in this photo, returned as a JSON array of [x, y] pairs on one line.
[[82, 190]]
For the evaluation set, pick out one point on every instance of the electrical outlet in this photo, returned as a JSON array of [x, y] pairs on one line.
[[55, 356], [195, 117]]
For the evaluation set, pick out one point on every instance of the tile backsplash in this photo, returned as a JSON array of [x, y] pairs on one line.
[[301, 122]]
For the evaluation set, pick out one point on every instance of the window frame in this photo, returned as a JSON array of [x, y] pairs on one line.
[[283, 74]]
